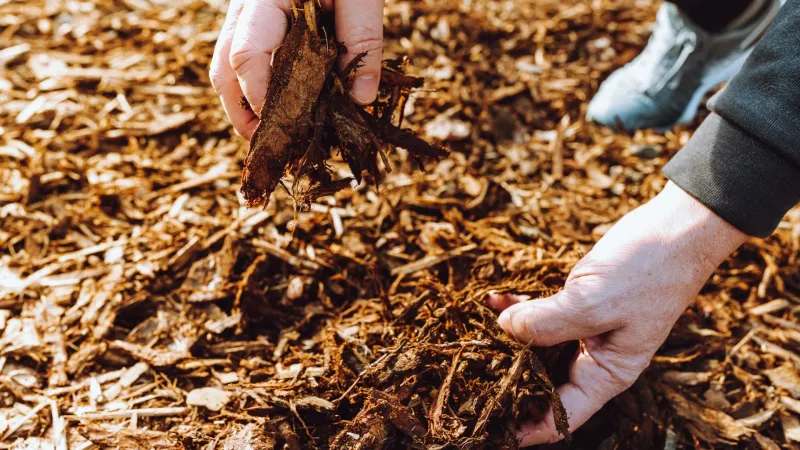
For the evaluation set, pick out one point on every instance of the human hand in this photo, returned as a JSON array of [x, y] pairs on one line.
[[621, 300], [254, 29]]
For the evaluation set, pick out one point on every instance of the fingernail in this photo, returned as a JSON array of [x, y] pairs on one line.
[[365, 89]]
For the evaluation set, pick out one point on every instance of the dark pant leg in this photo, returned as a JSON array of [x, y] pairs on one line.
[[712, 15]]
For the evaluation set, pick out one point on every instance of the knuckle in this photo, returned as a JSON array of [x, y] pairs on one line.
[[242, 52], [525, 328], [594, 308], [364, 40]]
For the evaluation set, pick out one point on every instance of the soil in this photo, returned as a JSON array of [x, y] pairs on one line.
[[144, 305]]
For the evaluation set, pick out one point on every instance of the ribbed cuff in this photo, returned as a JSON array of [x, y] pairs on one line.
[[736, 176]]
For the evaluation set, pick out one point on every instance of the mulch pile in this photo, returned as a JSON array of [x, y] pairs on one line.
[[143, 305]]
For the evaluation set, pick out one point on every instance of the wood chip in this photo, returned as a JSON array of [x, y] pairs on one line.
[[785, 377], [213, 399]]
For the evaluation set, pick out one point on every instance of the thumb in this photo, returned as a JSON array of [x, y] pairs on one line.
[[359, 25], [566, 316]]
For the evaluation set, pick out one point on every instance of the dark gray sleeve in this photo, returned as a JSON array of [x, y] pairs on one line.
[[744, 160]]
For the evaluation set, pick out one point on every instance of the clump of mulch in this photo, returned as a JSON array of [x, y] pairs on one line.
[[308, 113], [434, 372]]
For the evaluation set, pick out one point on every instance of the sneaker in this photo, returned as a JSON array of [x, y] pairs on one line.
[[665, 84]]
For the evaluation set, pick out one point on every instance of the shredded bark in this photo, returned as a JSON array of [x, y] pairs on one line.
[[308, 113]]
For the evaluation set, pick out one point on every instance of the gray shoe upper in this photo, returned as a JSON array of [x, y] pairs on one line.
[[664, 85]]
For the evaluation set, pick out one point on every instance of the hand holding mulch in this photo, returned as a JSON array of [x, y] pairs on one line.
[[621, 301], [309, 109]]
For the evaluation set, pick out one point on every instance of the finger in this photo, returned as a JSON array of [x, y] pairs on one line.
[[501, 302], [242, 119], [553, 320], [224, 80], [359, 25], [260, 30], [590, 387]]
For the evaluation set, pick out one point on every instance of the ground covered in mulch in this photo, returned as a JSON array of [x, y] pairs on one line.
[[143, 305]]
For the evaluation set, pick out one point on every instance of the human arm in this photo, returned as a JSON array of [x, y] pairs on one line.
[[738, 176], [621, 300], [254, 29], [744, 160]]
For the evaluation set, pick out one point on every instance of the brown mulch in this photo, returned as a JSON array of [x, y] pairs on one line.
[[142, 305], [309, 116]]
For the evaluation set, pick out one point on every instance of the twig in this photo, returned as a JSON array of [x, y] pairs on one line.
[[741, 343], [769, 307], [258, 217], [436, 428], [128, 413], [16, 426], [769, 347], [463, 344], [102, 378], [432, 260], [783, 323], [127, 379], [282, 254]]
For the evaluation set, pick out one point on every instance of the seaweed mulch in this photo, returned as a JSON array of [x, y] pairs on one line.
[[144, 305]]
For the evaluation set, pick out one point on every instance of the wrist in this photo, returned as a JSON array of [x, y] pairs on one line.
[[693, 230], [673, 243]]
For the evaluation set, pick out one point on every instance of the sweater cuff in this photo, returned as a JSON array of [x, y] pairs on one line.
[[738, 177]]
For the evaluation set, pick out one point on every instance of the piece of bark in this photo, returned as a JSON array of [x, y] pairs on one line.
[[308, 115], [298, 76]]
